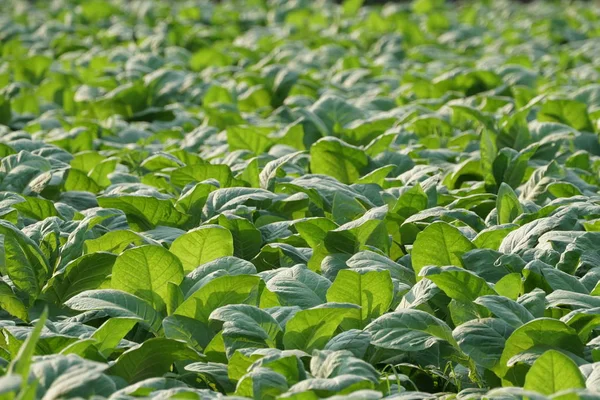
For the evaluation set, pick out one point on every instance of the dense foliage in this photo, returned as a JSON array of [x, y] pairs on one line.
[[300, 200]]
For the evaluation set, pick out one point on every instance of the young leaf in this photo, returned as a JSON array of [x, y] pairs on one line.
[[11, 303], [22, 260], [145, 271], [553, 372], [219, 292], [111, 333], [507, 204], [311, 329], [202, 245], [439, 244], [372, 291], [22, 361], [87, 272], [458, 283], [542, 331], [331, 156]]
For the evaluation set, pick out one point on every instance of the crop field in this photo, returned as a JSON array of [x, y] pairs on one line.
[[298, 199]]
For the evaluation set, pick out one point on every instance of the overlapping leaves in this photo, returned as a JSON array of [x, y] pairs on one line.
[[276, 199]]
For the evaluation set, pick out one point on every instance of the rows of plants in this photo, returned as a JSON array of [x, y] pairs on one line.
[[293, 199]]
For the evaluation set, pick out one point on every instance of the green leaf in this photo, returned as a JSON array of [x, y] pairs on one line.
[[311, 329], [221, 266], [201, 172], [330, 364], [261, 383], [483, 340], [426, 6], [215, 372], [506, 309], [314, 230], [542, 331], [144, 212], [568, 112], [196, 334], [153, 358], [250, 173], [410, 202], [246, 326], [222, 200], [113, 242], [110, 334], [10, 384], [583, 321], [345, 209], [71, 377], [87, 272], [99, 173], [299, 286], [145, 271], [553, 372], [79, 181], [510, 166], [510, 285], [331, 156], [239, 364], [5, 110], [116, 304], [440, 244], [248, 137], [37, 208], [247, 240], [408, 330], [287, 363], [201, 245], [335, 113], [342, 386], [86, 160], [377, 176], [11, 303], [351, 7], [354, 340], [365, 261], [458, 283], [22, 260], [364, 233], [372, 291], [219, 292], [491, 238], [507, 204], [21, 363], [269, 173], [193, 199], [563, 298], [174, 297]]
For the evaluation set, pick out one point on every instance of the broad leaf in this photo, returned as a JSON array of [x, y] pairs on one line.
[[145, 272], [439, 244], [151, 359], [553, 372], [202, 245], [311, 329], [408, 330], [372, 291]]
